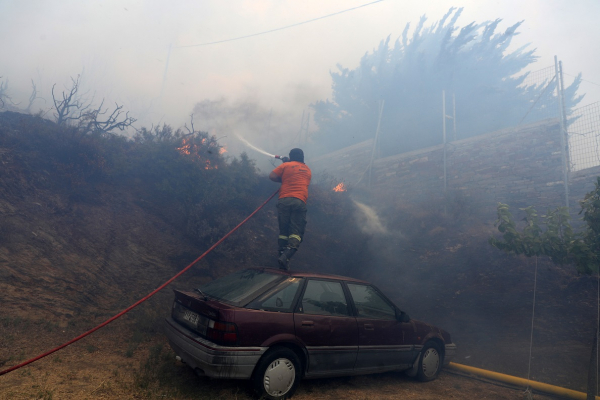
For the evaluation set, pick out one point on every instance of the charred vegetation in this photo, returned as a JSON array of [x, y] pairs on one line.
[[91, 222], [120, 206]]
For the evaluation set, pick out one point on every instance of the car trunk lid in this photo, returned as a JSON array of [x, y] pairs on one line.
[[209, 318]]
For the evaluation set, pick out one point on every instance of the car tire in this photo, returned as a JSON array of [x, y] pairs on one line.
[[277, 374], [430, 362]]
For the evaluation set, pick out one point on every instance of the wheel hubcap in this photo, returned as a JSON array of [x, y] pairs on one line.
[[279, 377], [431, 362]]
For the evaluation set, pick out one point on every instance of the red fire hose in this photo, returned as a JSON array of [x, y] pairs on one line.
[[137, 303]]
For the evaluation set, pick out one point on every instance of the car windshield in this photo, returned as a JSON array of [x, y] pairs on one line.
[[239, 285]]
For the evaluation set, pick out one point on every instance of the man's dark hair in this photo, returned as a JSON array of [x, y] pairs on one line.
[[297, 155]]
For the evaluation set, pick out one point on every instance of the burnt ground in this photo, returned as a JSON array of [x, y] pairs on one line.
[[72, 256]]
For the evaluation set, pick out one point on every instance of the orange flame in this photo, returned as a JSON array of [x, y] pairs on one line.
[[208, 165], [340, 187], [189, 148], [185, 147]]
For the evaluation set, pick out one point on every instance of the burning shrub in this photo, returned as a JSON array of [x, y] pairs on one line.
[[182, 177], [192, 183], [328, 196]]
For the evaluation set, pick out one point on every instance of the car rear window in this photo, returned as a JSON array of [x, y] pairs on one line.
[[240, 285], [280, 298]]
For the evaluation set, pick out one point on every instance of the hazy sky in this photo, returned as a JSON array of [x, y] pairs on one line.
[[121, 46]]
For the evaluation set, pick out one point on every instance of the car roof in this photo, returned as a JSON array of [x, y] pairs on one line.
[[304, 274]]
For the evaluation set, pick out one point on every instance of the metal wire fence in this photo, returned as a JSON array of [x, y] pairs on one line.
[[583, 131], [582, 124], [545, 104]]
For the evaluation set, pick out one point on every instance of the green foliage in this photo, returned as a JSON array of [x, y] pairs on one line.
[[590, 208], [533, 240], [471, 62], [558, 241]]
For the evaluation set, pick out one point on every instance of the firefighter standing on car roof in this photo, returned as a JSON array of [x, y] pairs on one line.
[[294, 176]]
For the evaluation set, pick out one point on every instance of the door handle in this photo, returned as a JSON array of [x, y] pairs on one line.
[[369, 327], [308, 323]]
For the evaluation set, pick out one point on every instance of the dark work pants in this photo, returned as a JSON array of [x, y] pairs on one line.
[[292, 220]]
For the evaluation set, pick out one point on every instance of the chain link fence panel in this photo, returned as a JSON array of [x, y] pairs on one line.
[[584, 137]]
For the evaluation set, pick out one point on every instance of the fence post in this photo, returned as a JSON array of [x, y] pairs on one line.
[[453, 117], [444, 135], [563, 131], [564, 108], [375, 142]]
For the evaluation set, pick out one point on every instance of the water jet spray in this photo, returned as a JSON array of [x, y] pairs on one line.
[[247, 143]]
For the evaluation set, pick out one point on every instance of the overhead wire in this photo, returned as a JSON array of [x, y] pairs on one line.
[[583, 80], [280, 28], [257, 34]]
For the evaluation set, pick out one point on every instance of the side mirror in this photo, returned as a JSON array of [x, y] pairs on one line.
[[402, 316]]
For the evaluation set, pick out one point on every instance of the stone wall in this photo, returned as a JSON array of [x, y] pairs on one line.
[[519, 166]]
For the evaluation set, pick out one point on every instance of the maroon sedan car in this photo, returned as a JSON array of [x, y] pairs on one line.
[[276, 327]]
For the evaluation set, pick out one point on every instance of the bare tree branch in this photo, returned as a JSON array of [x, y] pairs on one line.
[[4, 96], [33, 97], [73, 108], [2, 90], [190, 132], [69, 108], [91, 123]]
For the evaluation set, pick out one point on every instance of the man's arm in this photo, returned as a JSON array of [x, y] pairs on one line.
[[274, 177]]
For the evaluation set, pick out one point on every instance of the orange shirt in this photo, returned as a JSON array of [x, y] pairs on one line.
[[295, 178]]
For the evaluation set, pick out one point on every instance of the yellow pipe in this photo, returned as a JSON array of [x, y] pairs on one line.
[[543, 387]]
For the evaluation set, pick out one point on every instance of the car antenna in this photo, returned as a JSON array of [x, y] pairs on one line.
[[202, 293]]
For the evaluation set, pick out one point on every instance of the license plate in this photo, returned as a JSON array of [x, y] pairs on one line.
[[191, 317]]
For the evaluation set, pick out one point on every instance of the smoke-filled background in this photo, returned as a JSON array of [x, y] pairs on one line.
[[164, 61]]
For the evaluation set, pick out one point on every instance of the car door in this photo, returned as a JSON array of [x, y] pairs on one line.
[[382, 339], [324, 323]]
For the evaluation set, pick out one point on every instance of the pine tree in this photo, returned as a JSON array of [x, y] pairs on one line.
[[470, 62]]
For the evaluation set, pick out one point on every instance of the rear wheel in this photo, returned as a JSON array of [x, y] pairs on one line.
[[277, 374], [430, 362]]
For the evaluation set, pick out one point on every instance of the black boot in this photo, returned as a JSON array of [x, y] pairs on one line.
[[284, 258], [282, 244]]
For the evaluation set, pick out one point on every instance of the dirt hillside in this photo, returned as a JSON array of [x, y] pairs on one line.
[[75, 248]]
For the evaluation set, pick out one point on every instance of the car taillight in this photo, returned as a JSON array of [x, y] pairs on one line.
[[222, 332]]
